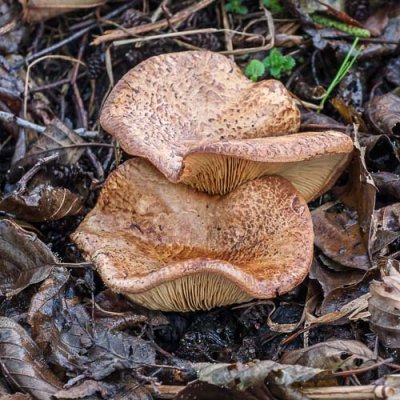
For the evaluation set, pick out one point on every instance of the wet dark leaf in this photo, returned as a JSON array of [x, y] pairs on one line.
[[333, 355], [85, 389], [337, 235], [206, 391], [384, 114], [360, 193], [24, 259], [243, 376], [23, 364], [11, 85], [45, 305], [388, 184], [132, 390], [331, 279], [56, 136], [35, 199], [393, 71], [386, 226]]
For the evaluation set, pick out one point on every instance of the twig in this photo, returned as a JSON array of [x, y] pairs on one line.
[[228, 37], [11, 118], [178, 17], [350, 392], [75, 36], [157, 13], [179, 34]]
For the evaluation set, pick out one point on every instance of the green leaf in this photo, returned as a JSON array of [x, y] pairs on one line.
[[254, 70], [276, 63], [273, 5], [235, 6]]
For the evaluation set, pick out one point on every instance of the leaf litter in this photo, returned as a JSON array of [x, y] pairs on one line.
[[73, 338]]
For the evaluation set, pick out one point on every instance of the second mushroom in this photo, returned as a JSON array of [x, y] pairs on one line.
[[201, 122]]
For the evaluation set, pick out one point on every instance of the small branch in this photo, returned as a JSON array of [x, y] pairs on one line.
[[164, 23], [23, 123]]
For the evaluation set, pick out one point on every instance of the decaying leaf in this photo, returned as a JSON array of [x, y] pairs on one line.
[[35, 199], [40, 10], [207, 391], [244, 376], [337, 235], [45, 305], [388, 184], [360, 193], [85, 389], [384, 114], [15, 396], [23, 364], [24, 259], [333, 355], [384, 304], [56, 136], [386, 227]]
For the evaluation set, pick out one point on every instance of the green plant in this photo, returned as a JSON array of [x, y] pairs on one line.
[[276, 63], [343, 70], [341, 26], [255, 69], [273, 5], [236, 6]]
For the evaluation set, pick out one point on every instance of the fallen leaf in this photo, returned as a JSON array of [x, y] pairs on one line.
[[392, 72], [384, 114], [245, 376], [384, 304], [385, 227], [337, 235], [35, 199], [332, 355], [23, 364], [57, 136], [207, 391], [360, 193], [24, 259], [40, 10], [85, 389], [388, 184], [15, 396]]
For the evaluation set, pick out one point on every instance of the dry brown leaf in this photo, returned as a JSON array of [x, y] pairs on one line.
[[24, 259], [384, 114], [40, 10], [385, 227], [384, 304], [337, 235], [331, 355], [23, 364]]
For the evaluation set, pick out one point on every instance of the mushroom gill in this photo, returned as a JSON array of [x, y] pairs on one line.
[[201, 122], [172, 248]]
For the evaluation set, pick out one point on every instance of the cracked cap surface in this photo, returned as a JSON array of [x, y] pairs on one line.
[[201, 122], [172, 248]]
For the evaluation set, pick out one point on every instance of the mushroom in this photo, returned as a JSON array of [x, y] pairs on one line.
[[172, 248], [201, 122]]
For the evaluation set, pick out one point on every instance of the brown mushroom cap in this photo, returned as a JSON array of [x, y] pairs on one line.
[[200, 121], [172, 248]]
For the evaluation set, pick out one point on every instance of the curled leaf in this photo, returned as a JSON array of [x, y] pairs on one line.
[[384, 114], [384, 304], [24, 259], [332, 355], [23, 364]]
